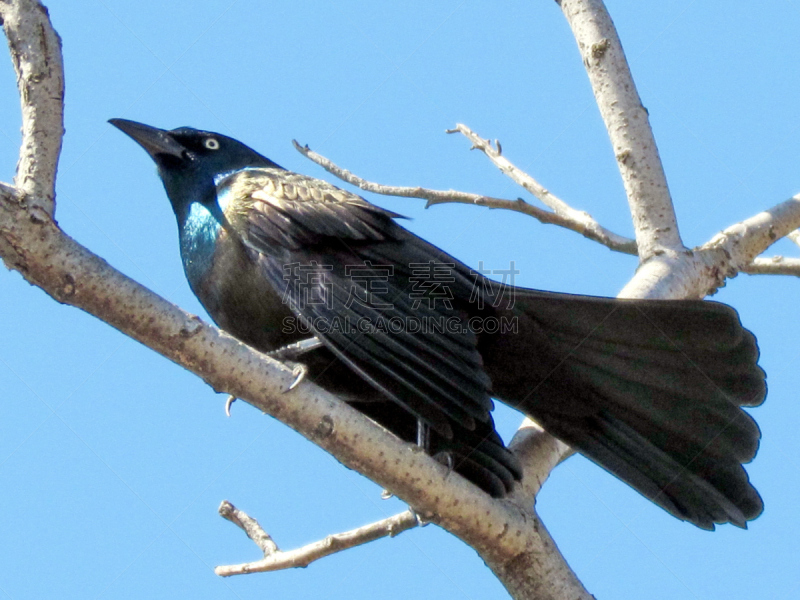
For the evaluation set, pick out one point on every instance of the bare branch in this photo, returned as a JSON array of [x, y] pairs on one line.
[[628, 127], [697, 273], [520, 177], [36, 53], [539, 453], [795, 236], [777, 265], [577, 220], [743, 242], [565, 216], [250, 526], [276, 560]]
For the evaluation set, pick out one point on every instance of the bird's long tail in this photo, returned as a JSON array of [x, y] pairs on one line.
[[650, 390]]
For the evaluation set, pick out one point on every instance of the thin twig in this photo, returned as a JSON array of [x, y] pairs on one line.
[[276, 560], [777, 265], [568, 218], [250, 526], [576, 220]]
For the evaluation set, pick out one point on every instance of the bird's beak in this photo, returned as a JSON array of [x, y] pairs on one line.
[[154, 140]]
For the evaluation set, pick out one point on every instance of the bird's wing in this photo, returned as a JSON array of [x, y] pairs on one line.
[[385, 302]]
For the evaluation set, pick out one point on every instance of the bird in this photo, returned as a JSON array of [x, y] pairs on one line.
[[650, 390]]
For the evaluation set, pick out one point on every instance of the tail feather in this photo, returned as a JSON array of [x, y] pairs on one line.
[[710, 424], [650, 390], [674, 487]]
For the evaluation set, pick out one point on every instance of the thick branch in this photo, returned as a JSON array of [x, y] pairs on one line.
[[539, 453], [36, 53], [71, 274], [743, 242], [276, 560], [628, 127], [564, 215], [700, 272]]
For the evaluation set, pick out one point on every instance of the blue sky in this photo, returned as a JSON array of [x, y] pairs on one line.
[[113, 460]]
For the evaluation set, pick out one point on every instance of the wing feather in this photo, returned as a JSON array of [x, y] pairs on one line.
[[290, 221]]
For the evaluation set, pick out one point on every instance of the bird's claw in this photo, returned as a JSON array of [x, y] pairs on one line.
[[445, 458], [299, 371], [421, 521], [228, 403]]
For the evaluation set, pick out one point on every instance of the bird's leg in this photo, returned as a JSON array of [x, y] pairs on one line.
[[295, 350], [424, 442], [423, 436], [287, 355]]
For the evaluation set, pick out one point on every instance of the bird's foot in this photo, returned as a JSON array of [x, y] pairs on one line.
[[299, 370], [287, 355], [291, 352], [228, 403], [421, 521], [445, 458], [423, 436]]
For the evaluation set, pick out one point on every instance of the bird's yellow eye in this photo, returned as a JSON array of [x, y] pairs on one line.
[[211, 143]]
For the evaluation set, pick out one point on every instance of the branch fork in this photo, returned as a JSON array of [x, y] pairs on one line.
[[276, 559]]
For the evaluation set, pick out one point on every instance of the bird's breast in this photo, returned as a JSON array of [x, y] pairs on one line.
[[227, 279]]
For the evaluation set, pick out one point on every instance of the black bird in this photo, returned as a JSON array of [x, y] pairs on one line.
[[650, 390]]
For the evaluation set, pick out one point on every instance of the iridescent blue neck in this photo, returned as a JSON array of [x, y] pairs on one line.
[[198, 237]]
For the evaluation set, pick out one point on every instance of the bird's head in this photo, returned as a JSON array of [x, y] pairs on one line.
[[190, 161]]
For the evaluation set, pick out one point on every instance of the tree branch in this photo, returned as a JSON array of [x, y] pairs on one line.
[[628, 127], [539, 453], [777, 265], [577, 220], [563, 215], [700, 272], [249, 525], [743, 242], [36, 53], [276, 560], [760, 235]]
